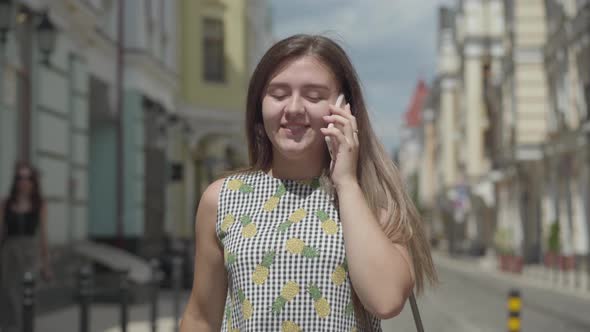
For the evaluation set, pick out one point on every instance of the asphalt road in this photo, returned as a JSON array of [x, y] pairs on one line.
[[469, 299], [474, 300]]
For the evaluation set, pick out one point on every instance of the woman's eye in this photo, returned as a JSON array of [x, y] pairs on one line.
[[314, 98], [278, 96]]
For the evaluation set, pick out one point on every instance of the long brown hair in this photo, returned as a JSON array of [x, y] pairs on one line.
[[376, 173], [36, 197]]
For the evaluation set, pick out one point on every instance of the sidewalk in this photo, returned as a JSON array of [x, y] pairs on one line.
[[106, 317], [534, 276], [577, 281]]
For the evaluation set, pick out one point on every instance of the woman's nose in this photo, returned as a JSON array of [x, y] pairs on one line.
[[295, 105]]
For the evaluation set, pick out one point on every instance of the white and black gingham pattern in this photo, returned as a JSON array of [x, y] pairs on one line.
[[286, 266]]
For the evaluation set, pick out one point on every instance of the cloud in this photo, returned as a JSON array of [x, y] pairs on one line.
[[360, 23], [391, 43]]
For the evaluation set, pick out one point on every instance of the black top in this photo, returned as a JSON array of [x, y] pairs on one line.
[[20, 223]]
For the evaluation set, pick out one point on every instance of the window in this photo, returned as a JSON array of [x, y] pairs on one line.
[[213, 57]]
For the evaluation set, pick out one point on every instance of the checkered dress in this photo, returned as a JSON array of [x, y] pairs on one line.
[[285, 258]]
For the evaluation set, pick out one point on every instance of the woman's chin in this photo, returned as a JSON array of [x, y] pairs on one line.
[[296, 150]]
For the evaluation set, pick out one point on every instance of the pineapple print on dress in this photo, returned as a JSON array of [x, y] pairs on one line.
[[262, 270], [247, 308], [229, 322], [289, 326], [239, 185], [339, 274], [228, 221], [349, 309], [329, 226], [274, 200], [321, 305], [298, 247], [294, 218], [229, 257], [288, 293], [314, 183], [248, 227]]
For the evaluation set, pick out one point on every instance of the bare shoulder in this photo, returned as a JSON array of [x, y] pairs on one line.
[[207, 210], [210, 196]]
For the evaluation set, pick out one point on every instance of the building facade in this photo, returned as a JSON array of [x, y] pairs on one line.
[[70, 114], [522, 89], [510, 125], [470, 48], [221, 41], [567, 61]]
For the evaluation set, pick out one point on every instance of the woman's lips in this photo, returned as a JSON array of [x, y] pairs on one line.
[[294, 130]]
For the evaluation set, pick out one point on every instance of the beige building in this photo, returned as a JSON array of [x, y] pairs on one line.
[[427, 181], [522, 129], [446, 124], [220, 42], [470, 46], [447, 115], [510, 124], [567, 59]]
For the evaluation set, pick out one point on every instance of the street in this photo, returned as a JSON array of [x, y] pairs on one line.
[[470, 298], [117, 116], [473, 300]]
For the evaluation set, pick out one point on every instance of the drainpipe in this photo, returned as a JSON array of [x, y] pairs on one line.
[[119, 112], [26, 53]]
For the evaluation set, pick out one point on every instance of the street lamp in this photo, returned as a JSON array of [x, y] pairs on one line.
[[5, 19], [172, 119], [46, 35]]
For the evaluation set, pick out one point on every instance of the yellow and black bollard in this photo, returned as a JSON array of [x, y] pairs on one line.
[[514, 307]]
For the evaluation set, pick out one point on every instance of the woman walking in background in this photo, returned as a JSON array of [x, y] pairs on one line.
[[23, 217], [302, 241]]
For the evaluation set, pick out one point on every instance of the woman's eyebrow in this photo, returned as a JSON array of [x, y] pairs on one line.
[[278, 85], [313, 86], [308, 86]]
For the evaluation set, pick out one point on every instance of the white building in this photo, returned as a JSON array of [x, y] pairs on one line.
[[69, 127]]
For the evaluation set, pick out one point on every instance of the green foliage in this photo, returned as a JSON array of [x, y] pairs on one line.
[[503, 241], [553, 241]]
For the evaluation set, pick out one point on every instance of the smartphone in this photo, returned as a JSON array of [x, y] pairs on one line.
[[339, 102]]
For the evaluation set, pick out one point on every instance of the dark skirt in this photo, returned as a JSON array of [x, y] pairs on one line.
[[18, 255]]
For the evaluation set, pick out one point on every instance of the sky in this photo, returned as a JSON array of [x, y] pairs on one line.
[[392, 44]]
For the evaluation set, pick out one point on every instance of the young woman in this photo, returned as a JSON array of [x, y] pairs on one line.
[[22, 216], [301, 241]]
